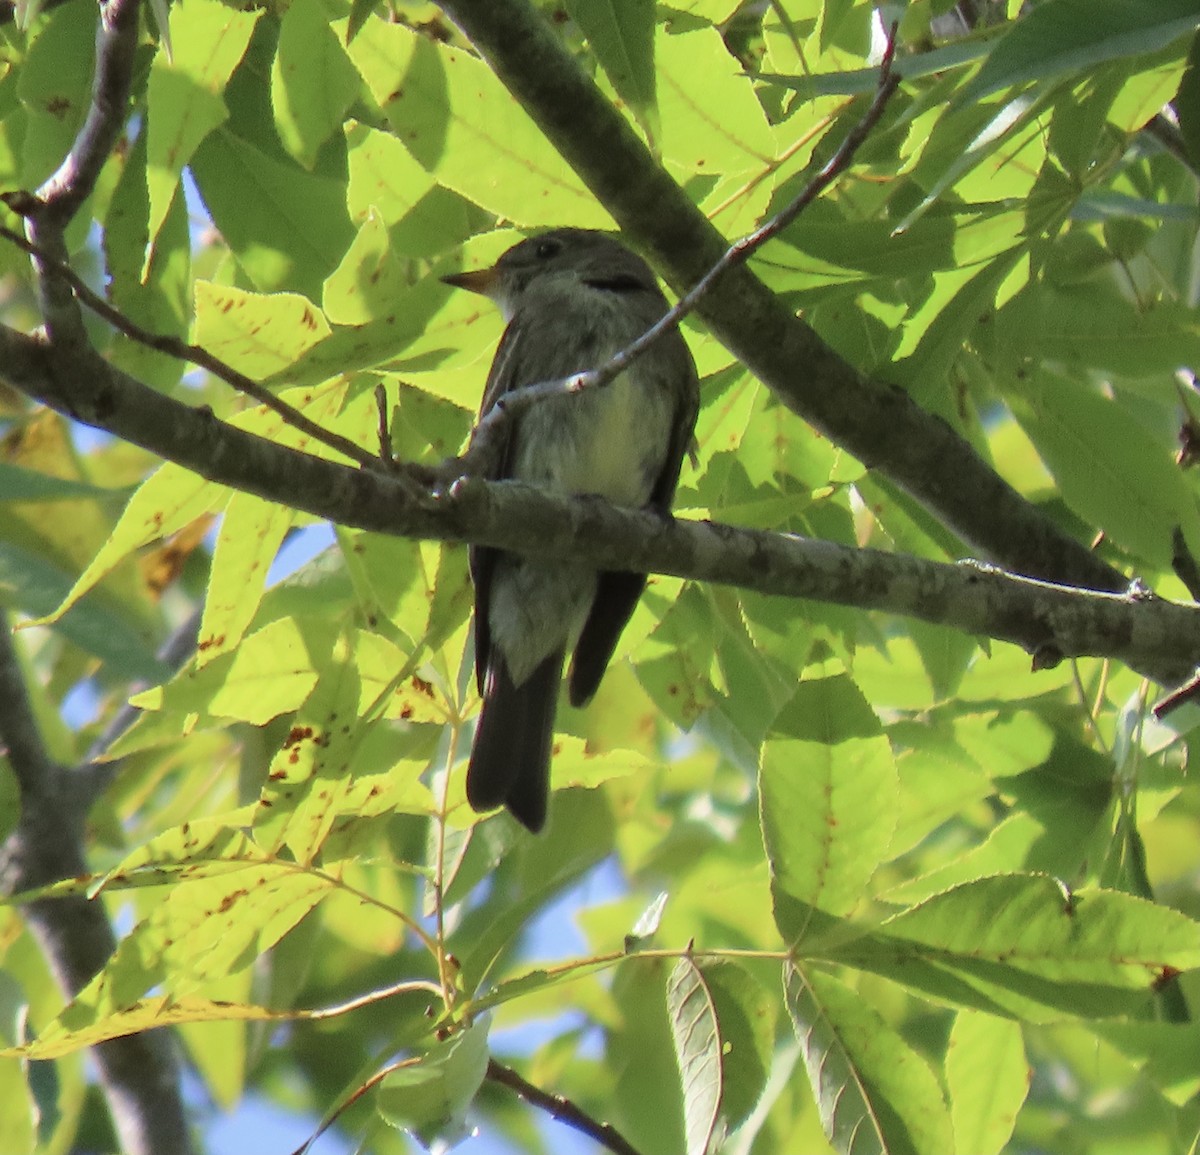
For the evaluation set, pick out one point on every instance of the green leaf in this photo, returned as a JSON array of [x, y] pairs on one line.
[[828, 806], [639, 1053], [368, 282], [289, 228], [675, 670], [37, 585], [272, 671], [987, 1078], [360, 12], [18, 484], [941, 332], [184, 94], [697, 1039], [204, 848], [875, 1094], [212, 927], [757, 689], [1029, 932], [381, 340], [621, 34], [461, 123], [717, 130], [29, 1114], [384, 176], [312, 80], [1109, 468], [256, 333], [81, 1026], [1063, 37], [1096, 328], [1168, 1054], [251, 533], [745, 1015], [166, 501], [1187, 103], [54, 87], [430, 1097], [308, 776], [151, 282]]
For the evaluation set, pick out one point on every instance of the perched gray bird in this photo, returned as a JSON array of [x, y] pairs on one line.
[[572, 298]]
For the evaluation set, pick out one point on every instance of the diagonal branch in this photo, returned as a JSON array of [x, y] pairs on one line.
[[562, 1109], [881, 425], [487, 433]]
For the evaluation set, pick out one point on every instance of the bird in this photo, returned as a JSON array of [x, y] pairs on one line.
[[571, 299]]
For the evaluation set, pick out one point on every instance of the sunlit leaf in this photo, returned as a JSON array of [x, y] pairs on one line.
[[185, 93]]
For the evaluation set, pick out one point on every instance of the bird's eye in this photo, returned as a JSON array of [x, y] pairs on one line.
[[547, 248]]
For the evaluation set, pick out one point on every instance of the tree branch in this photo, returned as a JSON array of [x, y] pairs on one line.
[[881, 425], [140, 1073], [58, 200], [561, 1109], [1050, 621]]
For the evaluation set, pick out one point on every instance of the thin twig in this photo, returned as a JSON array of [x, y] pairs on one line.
[[561, 1109], [353, 1097], [1184, 564], [1187, 571], [385, 438], [737, 253], [196, 354]]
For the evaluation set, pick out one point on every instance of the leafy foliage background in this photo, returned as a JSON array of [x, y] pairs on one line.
[[919, 897]]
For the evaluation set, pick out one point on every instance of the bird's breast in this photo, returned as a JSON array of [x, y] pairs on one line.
[[610, 441]]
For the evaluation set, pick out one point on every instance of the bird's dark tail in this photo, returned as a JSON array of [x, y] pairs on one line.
[[510, 757]]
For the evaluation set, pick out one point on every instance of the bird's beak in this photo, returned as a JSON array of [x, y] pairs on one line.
[[485, 281]]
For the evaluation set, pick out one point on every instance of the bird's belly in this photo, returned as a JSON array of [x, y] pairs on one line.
[[610, 441]]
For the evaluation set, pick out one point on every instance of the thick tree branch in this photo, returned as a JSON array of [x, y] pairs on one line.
[[140, 1073], [488, 434], [879, 424], [1051, 622]]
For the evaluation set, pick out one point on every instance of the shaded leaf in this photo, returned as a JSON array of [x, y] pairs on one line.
[[873, 1091], [430, 1096], [621, 33], [1062, 37], [696, 1035], [828, 807]]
